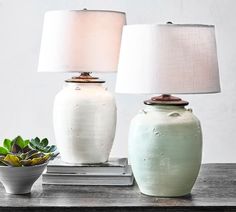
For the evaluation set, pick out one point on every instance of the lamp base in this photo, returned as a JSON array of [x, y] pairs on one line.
[[165, 148], [84, 120]]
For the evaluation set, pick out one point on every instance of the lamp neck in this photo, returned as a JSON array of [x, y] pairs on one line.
[[85, 77], [166, 99]]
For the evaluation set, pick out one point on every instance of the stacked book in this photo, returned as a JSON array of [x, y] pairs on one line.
[[115, 172]]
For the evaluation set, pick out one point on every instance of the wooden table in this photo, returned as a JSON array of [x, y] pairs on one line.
[[215, 190]]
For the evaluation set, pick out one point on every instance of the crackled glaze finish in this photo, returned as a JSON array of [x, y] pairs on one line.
[[84, 122], [165, 150]]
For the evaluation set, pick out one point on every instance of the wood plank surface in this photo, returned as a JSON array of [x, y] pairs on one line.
[[215, 190]]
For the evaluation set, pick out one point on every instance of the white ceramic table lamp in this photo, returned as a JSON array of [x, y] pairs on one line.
[[84, 111], [165, 139]]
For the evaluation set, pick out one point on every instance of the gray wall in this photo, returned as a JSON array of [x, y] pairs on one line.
[[26, 97]]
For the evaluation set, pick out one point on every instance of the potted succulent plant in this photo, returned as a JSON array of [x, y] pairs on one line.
[[22, 162]]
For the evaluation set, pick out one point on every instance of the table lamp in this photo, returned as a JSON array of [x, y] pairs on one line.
[[165, 138], [84, 113]]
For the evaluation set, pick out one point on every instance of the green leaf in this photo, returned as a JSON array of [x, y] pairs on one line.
[[20, 142], [37, 141], [7, 143], [3, 151], [53, 148], [41, 146], [26, 143], [15, 139], [46, 149], [32, 146], [34, 143], [44, 142]]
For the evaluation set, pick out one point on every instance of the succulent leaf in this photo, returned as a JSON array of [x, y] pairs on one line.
[[37, 161], [53, 148], [16, 148], [32, 146], [35, 141], [12, 160], [44, 142], [26, 149], [22, 156], [20, 152], [4, 163], [42, 146], [31, 152], [20, 142], [53, 155], [7, 143], [3, 151], [25, 143], [26, 162], [36, 155]]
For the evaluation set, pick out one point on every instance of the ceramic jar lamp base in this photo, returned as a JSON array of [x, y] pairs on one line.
[[165, 147], [84, 120]]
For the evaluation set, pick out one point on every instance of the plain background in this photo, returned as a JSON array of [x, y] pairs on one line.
[[26, 97]]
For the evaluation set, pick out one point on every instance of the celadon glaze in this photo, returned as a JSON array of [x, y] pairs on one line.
[[84, 122], [165, 150]]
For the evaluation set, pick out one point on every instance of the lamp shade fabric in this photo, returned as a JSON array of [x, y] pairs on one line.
[[168, 59], [81, 41]]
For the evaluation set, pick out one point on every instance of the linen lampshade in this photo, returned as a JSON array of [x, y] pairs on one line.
[[81, 41], [168, 59]]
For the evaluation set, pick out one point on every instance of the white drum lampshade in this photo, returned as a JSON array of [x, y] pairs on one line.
[[168, 59], [84, 113], [81, 41], [165, 138]]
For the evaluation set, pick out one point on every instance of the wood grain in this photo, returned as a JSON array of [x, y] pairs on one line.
[[215, 190]]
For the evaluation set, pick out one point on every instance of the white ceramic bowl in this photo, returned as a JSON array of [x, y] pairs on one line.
[[19, 180]]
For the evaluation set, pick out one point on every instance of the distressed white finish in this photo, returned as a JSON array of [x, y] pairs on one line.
[[168, 59], [81, 40], [85, 114], [84, 122], [19, 180]]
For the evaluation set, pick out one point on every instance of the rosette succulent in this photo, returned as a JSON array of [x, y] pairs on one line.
[[19, 152]]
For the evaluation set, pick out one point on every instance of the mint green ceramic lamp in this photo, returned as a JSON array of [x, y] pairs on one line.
[[165, 138]]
